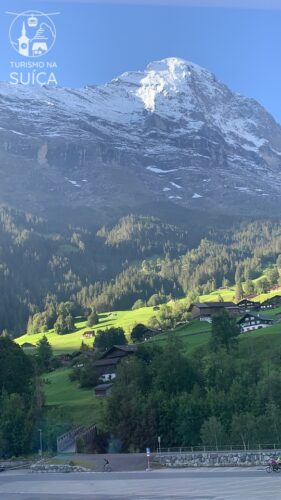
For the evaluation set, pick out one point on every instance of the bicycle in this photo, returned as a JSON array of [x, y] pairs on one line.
[[107, 468], [273, 466]]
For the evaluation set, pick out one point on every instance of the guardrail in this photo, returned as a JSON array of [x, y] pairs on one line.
[[14, 465], [272, 447]]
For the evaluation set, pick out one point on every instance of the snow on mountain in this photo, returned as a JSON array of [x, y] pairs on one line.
[[173, 117]]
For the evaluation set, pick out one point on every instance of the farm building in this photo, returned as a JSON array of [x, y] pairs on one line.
[[103, 390], [88, 334], [248, 305], [251, 321], [272, 302], [205, 310], [107, 364]]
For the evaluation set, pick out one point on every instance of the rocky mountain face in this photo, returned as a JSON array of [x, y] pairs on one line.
[[172, 133]]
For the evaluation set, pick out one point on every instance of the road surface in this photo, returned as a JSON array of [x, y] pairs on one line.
[[183, 484]]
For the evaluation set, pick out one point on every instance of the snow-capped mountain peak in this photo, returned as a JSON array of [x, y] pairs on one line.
[[173, 130], [166, 77]]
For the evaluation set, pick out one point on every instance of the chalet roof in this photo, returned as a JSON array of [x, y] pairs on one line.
[[103, 386], [248, 301], [257, 316], [131, 348], [215, 305], [107, 361]]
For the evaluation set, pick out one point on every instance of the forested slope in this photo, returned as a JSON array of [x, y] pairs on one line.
[[133, 257]]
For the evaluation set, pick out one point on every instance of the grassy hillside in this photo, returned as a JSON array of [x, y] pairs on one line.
[[127, 319], [197, 334], [72, 341], [85, 408], [228, 294], [193, 335], [82, 406]]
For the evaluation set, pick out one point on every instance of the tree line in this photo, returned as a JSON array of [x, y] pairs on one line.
[[227, 393]]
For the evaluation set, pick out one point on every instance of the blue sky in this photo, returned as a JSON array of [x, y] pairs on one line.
[[97, 41]]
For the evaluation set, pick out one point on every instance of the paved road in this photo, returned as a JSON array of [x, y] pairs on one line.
[[198, 484], [120, 462]]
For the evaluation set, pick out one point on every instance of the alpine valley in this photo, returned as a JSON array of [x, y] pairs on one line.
[[161, 181]]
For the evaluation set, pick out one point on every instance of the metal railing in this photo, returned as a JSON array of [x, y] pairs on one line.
[[68, 439], [271, 447]]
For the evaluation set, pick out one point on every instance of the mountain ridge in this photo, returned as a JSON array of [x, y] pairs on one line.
[[172, 132]]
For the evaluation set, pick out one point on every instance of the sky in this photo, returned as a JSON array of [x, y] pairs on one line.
[[238, 40]]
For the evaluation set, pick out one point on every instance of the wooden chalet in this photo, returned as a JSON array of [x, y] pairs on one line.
[[103, 390], [272, 302], [248, 305], [205, 310], [88, 334], [106, 366], [251, 321]]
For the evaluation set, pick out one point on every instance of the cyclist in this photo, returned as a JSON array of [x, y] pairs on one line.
[[106, 466]]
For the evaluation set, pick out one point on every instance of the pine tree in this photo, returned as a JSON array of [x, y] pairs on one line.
[[44, 353], [238, 292], [93, 318]]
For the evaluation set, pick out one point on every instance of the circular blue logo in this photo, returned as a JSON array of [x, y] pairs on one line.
[[32, 33]]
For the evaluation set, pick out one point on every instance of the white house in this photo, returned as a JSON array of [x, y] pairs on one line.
[[251, 321]]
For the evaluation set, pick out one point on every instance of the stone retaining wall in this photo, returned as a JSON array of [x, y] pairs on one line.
[[63, 468], [214, 459]]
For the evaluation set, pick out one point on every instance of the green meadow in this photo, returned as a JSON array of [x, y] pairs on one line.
[[71, 342], [80, 405], [192, 335], [196, 332], [84, 408]]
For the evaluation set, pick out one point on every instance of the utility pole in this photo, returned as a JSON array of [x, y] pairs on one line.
[[41, 447], [159, 444], [148, 459]]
